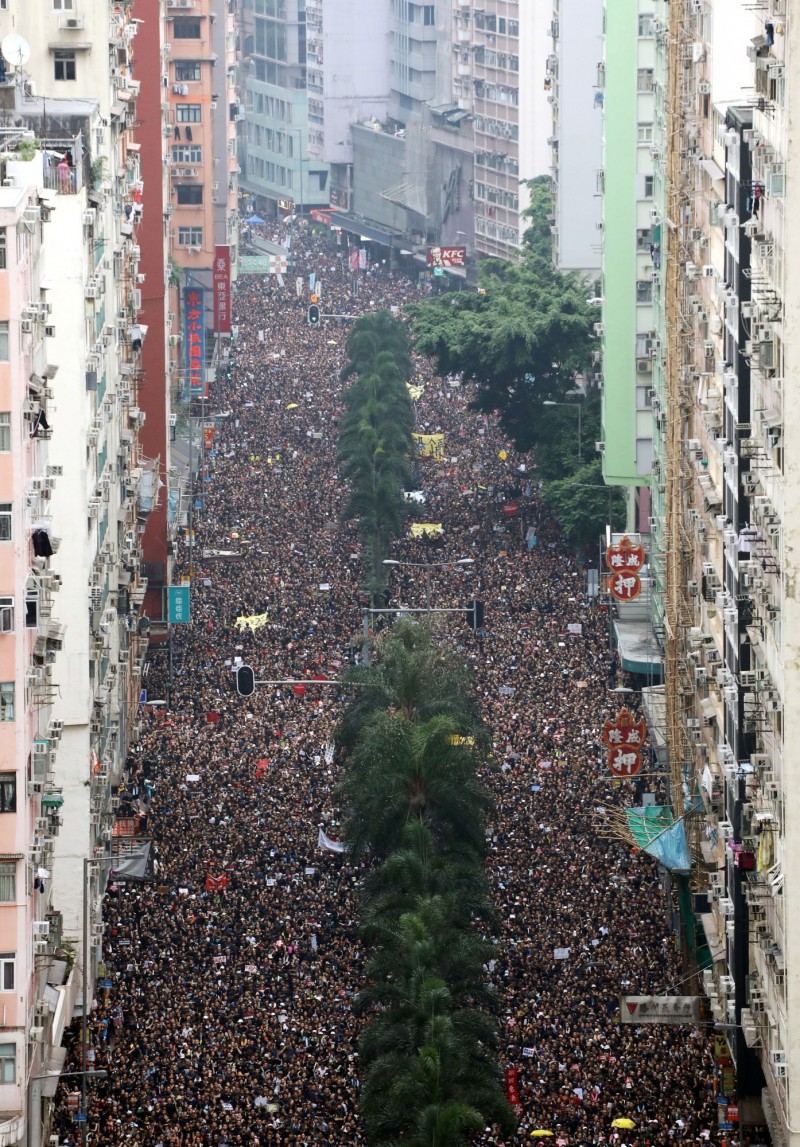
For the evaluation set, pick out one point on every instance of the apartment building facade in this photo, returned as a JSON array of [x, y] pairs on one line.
[[68, 90], [722, 515]]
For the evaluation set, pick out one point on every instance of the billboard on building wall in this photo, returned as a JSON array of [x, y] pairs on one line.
[[194, 340], [222, 289], [447, 256]]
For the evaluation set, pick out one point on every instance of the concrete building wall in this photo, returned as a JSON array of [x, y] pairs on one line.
[[355, 71], [577, 133]]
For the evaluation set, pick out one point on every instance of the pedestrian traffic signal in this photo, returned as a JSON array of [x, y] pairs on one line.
[[475, 615], [245, 681], [313, 315]]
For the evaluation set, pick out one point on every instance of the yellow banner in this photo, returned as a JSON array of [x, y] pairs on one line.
[[456, 740], [426, 529], [430, 446], [414, 392], [253, 622]]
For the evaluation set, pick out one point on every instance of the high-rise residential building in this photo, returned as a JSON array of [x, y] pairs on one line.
[[159, 377], [574, 86], [632, 197], [202, 112], [31, 640], [277, 166], [454, 97], [68, 94], [711, 225]]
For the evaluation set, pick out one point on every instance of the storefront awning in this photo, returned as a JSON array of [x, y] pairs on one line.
[[369, 231], [712, 169], [716, 945], [655, 830], [639, 650]]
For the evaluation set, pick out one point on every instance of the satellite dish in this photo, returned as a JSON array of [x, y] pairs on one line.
[[15, 49]]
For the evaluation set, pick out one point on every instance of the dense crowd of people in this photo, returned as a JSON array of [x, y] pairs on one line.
[[230, 1019]]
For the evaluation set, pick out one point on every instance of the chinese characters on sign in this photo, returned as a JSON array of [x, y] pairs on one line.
[[659, 1010], [194, 338], [623, 737], [625, 559], [222, 289], [447, 256]]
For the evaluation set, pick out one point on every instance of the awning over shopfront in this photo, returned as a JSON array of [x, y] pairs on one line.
[[716, 945], [368, 231], [712, 169], [639, 650], [407, 194], [655, 830]]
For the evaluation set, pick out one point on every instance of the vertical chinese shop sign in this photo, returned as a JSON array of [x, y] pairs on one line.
[[194, 339], [222, 289]]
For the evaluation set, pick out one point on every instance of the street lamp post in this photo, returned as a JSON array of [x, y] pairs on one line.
[[428, 566], [572, 406]]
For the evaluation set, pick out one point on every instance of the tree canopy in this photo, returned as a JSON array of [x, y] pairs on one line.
[[375, 441], [416, 810], [522, 338]]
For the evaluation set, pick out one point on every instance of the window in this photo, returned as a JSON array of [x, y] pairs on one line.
[[644, 237], [190, 236], [644, 291], [188, 113], [189, 194], [8, 788], [5, 522], [8, 882], [186, 70], [5, 431], [644, 133], [6, 615], [8, 1063], [63, 5], [186, 29], [187, 153], [7, 977], [63, 65], [4, 356], [644, 80], [646, 27], [649, 186], [2, 248]]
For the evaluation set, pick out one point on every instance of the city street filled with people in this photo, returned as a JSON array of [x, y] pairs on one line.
[[229, 1020]]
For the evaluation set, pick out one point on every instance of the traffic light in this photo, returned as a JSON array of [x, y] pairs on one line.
[[475, 615], [245, 681], [313, 315]]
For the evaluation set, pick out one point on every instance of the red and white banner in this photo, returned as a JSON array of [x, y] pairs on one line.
[[512, 1089], [222, 289], [354, 258]]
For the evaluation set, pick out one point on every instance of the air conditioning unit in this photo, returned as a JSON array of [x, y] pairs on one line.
[[72, 23], [704, 88], [26, 326], [49, 331]]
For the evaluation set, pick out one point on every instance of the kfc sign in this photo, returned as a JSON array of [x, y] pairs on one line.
[[624, 560], [447, 256], [623, 737]]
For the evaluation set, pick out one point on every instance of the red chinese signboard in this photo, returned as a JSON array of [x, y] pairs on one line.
[[624, 559], [194, 340], [447, 256], [623, 737], [222, 289]]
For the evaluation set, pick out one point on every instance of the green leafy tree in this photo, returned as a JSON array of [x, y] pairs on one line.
[[375, 433], [522, 339]]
